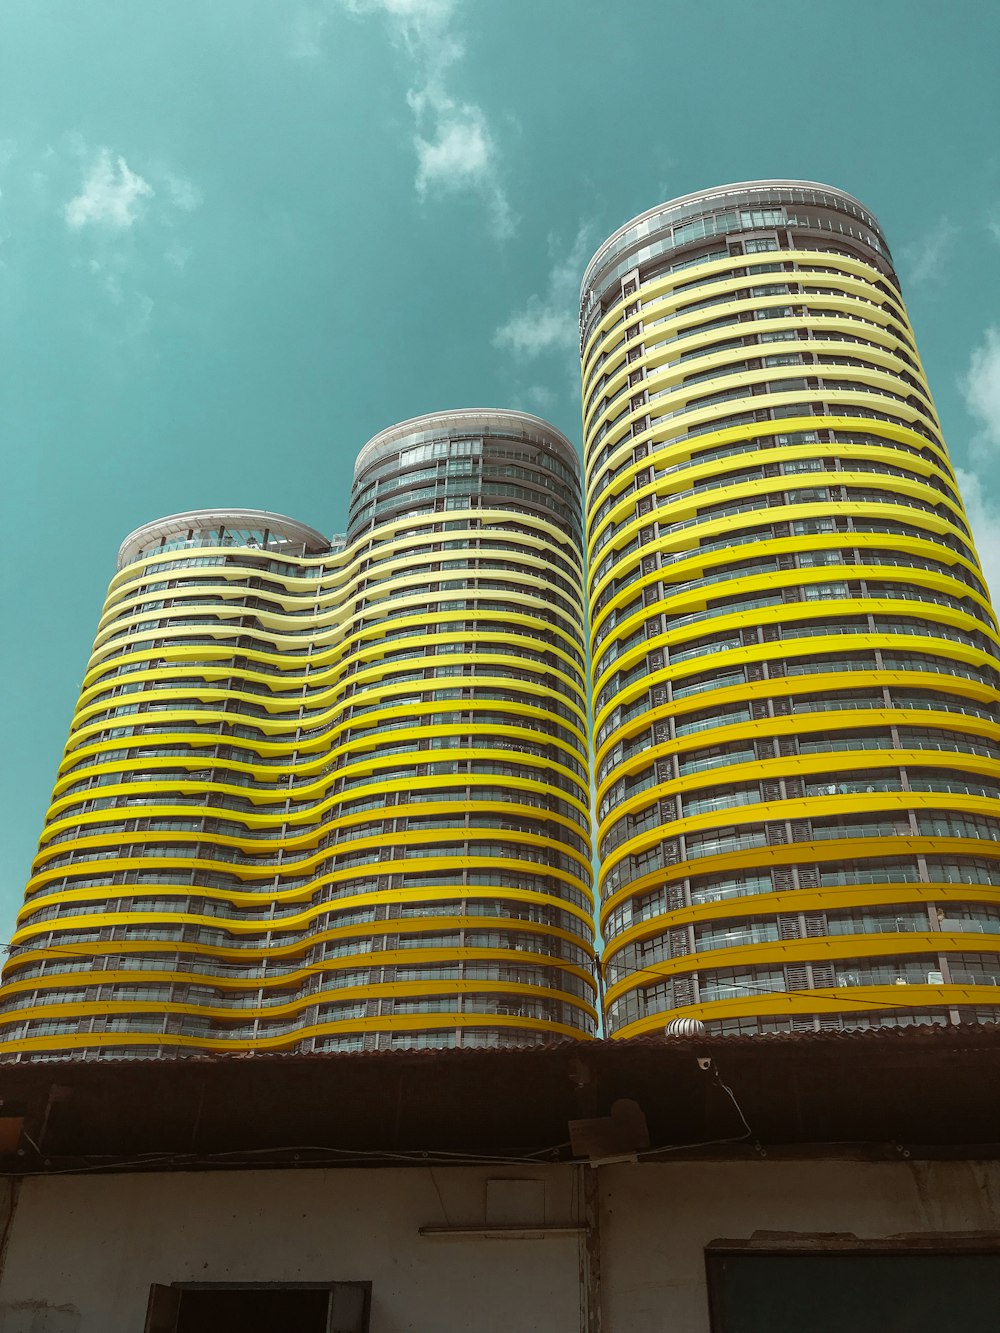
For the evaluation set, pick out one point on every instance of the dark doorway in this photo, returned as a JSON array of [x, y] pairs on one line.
[[332, 1307], [253, 1311], [915, 1291]]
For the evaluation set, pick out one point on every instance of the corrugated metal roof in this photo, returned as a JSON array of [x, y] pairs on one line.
[[961, 1037], [925, 1091]]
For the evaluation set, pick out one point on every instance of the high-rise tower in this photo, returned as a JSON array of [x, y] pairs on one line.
[[795, 661], [329, 795]]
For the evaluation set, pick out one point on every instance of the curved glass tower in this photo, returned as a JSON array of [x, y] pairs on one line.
[[329, 795], [795, 665]]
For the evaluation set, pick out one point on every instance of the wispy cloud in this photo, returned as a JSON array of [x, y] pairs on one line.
[[984, 519], [128, 224], [548, 321], [112, 196], [981, 391], [980, 387], [926, 259], [456, 149], [182, 193], [308, 30], [540, 398], [177, 256]]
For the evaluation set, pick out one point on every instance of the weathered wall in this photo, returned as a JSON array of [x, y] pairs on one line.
[[83, 1250], [658, 1219]]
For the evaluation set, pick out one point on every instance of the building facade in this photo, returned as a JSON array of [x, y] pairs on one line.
[[334, 794], [329, 795], [795, 663], [395, 1190], [259, 1250]]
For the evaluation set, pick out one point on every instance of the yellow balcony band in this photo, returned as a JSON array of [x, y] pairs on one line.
[[794, 658], [326, 795]]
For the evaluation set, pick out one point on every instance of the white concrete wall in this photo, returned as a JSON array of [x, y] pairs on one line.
[[83, 1250], [658, 1219]]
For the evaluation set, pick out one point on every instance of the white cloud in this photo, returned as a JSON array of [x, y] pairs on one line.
[[981, 391], [183, 194], [177, 256], [111, 196], [984, 519], [456, 150], [549, 322], [308, 31], [927, 257], [130, 225], [460, 155], [540, 398], [416, 17]]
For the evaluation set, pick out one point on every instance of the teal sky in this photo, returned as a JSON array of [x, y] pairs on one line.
[[237, 237]]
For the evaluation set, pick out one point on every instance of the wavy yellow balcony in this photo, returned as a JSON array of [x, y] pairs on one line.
[[329, 796], [794, 656]]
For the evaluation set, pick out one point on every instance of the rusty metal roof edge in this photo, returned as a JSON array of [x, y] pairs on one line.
[[960, 1037]]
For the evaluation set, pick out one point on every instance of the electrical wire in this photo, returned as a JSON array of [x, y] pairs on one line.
[[241, 1157], [437, 1191], [708, 1143]]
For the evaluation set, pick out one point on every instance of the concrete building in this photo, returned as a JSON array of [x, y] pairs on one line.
[[716, 1186], [795, 661], [329, 794]]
